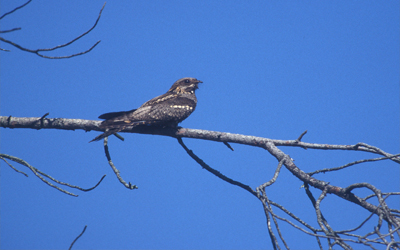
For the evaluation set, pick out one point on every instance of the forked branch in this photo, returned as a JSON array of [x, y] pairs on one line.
[[39, 51], [326, 231], [41, 175]]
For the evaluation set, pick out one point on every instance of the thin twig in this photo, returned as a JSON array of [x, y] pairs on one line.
[[301, 136], [41, 119], [84, 229], [35, 171], [228, 145], [116, 171], [277, 171], [333, 237], [268, 211], [9, 164], [381, 237], [10, 30], [37, 51], [95, 186], [295, 217], [17, 8], [39, 174], [320, 218], [351, 164], [358, 227], [305, 231], [266, 202], [213, 171], [378, 151]]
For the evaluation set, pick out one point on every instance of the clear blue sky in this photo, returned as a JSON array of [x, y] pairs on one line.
[[270, 69]]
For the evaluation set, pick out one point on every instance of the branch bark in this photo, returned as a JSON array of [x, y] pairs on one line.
[[268, 144]]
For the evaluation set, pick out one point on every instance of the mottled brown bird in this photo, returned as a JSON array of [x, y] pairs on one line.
[[165, 110]]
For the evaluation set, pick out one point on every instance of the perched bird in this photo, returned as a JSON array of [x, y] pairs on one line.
[[165, 110]]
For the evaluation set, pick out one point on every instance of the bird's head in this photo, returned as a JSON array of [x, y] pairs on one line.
[[185, 85]]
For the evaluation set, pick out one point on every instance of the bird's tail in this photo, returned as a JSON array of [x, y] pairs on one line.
[[108, 132], [115, 127]]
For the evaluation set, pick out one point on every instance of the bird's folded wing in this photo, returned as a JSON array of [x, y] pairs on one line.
[[114, 114]]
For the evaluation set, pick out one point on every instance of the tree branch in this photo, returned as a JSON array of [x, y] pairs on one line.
[[73, 242], [116, 171], [213, 171], [271, 145], [39, 174], [38, 51], [89, 125], [15, 9]]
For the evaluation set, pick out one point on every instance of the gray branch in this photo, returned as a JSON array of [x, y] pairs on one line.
[[333, 237]]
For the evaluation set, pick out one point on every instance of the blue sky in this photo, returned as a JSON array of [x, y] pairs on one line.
[[270, 68]]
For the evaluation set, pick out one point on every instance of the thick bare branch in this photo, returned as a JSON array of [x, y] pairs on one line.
[[333, 237], [269, 144], [88, 125]]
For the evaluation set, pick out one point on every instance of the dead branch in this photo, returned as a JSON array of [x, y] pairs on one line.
[[333, 237], [116, 171], [39, 174], [89, 125], [15, 9], [73, 242], [38, 51]]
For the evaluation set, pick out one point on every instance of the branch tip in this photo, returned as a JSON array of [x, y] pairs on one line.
[[17, 8], [228, 145], [84, 229], [116, 171], [38, 51], [301, 136]]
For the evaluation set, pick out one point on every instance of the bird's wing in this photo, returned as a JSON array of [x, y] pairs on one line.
[[159, 99], [110, 115]]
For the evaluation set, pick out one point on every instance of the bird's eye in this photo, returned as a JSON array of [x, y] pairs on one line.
[[187, 81]]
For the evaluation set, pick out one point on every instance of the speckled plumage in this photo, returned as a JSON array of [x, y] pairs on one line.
[[168, 109]]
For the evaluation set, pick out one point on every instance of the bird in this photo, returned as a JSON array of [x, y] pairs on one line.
[[166, 110]]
